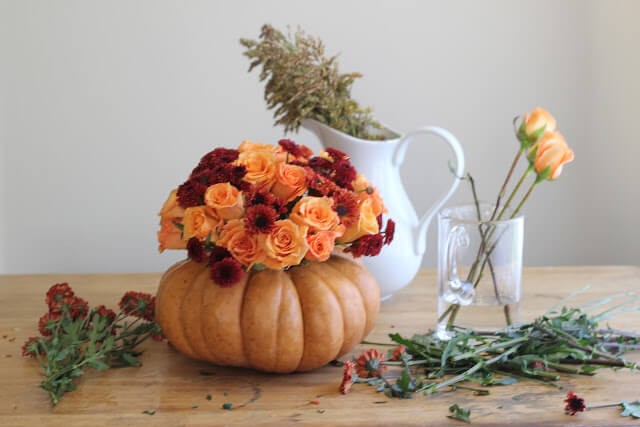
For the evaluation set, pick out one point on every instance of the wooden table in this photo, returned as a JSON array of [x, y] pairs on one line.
[[177, 388]]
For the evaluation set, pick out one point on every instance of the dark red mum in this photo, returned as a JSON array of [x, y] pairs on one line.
[[227, 272], [138, 304], [574, 403], [260, 219], [195, 250]]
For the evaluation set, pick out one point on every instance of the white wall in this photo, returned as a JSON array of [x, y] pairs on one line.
[[106, 106]]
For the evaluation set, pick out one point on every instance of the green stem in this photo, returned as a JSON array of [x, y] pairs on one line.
[[524, 199], [503, 190], [514, 192]]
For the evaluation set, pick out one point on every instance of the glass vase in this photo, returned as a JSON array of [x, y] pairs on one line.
[[479, 269]]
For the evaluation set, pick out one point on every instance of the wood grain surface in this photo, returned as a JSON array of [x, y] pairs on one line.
[[176, 388]]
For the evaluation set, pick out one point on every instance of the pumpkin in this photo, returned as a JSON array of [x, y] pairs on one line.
[[272, 321]]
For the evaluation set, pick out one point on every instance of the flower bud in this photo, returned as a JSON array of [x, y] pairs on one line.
[[538, 121], [549, 154]]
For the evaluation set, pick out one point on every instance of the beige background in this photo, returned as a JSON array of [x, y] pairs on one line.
[[106, 106]]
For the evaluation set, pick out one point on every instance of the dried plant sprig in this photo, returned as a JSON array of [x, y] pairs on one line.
[[303, 83]]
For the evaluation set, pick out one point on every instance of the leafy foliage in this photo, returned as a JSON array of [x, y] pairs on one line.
[[458, 413], [100, 340], [301, 82], [567, 342], [631, 409]]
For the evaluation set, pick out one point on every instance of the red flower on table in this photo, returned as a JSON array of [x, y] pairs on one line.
[[348, 376], [574, 403], [369, 364], [138, 304]]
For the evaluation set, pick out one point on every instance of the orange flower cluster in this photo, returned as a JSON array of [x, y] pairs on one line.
[[548, 150], [272, 206]]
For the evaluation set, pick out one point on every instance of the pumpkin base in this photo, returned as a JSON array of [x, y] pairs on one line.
[[272, 321]]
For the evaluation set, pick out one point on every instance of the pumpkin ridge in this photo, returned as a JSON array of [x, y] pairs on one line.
[[209, 354], [240, 315], [350, 327], [320, 279]]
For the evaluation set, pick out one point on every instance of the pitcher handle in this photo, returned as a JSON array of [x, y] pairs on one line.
[[398, 159]]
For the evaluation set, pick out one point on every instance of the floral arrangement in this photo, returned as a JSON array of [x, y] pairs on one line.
[[74, 337], [265, 206]]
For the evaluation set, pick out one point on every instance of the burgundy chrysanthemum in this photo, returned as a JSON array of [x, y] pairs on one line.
[[320, 185], [218, 253], [389, 231], [47, 323], [396, 354], [346, 205], [259, 195], [336, 155], [78, 308], [31, 347], [57, 295], [369, 245], [321, 165], [138, 304], [345, 174], [105, 312], [219, 155], [294, 149], [191, 193], [195, 250], [227, 272], [574, 403], [368, 364], [260, 219], [348, 374]]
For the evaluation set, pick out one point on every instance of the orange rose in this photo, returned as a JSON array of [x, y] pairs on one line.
[[286, 245], [290, 182], [170, 236], [551, 151], [538, 119], [244, 247], [255, 146], [197, 223], [260, 166], [367, 224], [321, 245], [365, 190], [171, 208], [316, 213], [225, 199]]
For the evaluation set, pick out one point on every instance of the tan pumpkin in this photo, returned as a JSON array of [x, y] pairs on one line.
[[272, 321]]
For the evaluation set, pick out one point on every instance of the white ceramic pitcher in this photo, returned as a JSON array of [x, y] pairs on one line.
[[380, 162]]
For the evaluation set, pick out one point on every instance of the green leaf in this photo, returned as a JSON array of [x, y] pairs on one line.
[[147, 412], [227, 406], [98, 365], [458, 413], [631, 409]]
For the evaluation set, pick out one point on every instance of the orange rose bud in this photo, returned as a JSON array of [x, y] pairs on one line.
[[315, 212], [197, 223], [225, 199], [286, 245], [321, 245], [537, 119], [171, 208], [170, 236], [365, 190], [291, 181], [260, 167], [551, 152], [244, 247], [367, 224]]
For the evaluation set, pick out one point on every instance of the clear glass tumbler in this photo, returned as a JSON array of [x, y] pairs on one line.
[[479, 269]]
